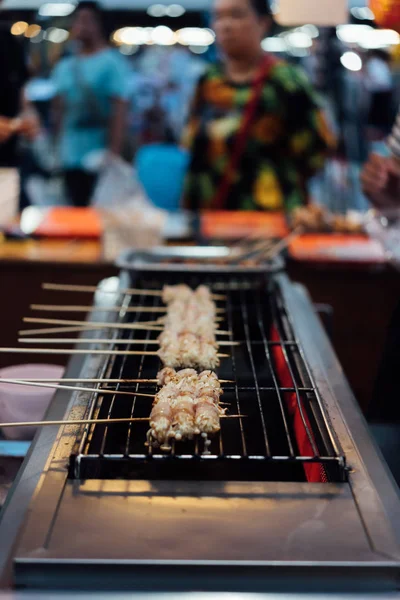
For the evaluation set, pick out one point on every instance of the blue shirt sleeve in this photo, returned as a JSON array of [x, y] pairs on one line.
[[58, 77], [119, 77]]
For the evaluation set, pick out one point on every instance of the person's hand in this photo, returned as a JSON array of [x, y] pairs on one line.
[[26, 125], [29, 126], [6, 129], [380, 181]]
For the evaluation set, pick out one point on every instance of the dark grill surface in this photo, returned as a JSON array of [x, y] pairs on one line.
[[261, 446]]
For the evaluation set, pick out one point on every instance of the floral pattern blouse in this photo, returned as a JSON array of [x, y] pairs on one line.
[[287, 143]]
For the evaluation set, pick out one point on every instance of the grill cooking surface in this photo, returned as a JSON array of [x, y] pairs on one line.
[[261, 446]]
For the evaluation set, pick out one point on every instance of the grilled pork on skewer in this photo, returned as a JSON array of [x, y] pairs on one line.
[[187, 405], [189, 336]]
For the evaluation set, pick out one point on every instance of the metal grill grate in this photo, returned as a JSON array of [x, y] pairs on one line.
[[263, 446]]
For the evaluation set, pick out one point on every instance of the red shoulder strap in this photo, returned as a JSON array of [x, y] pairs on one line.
[[242, 136]]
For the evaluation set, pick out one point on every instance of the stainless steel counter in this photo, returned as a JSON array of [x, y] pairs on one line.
[[343, 537]]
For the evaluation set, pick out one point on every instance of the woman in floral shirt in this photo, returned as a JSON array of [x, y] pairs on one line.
[[256, 131]]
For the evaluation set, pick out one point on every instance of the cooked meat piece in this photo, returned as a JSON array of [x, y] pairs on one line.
[[183, 426], [160, 423], [207, 418], [208, 356], [186, 406], [172, 292], [165, 376]]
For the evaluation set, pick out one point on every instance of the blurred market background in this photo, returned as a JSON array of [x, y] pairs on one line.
[[168, 47]]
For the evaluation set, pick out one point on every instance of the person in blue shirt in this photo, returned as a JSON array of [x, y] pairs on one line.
[[90, 106]]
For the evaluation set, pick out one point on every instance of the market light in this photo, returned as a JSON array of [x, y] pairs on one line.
[[59, 9], [57, 35], [157, 10], [32, 31], [162, 10], [116, 37], [19, 28], [311, 30], [364, 13], [274, 44], [351, 61], [163, 36], [298, 39], [352, 34], [367, 37], [135, 36], [175, 10], [195, 36], [380, 38]]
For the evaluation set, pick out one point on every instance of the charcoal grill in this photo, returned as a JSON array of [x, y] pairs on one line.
[[262, 446], [293, 494]]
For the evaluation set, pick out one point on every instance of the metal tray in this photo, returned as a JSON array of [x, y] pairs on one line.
[[155, 260]]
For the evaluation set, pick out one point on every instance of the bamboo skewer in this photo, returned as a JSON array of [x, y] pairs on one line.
[[101, 341], [93, 421], [93, 325], [71, 422], [54, 330], [92, 288], [90, 308], [72, 387], [104, 325], [157, 323], [69, 380], [89, 351]]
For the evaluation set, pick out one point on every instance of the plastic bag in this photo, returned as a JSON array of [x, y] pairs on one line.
[[118, 185], [130, 220]]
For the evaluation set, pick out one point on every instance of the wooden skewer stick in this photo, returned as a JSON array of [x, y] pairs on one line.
[[101, 341], [71, 422], [156, 323], [89, 308], [82, 380], [69, 380], [71, 387], [97, 325], [89, 351], [92, 288], [93, 325], [93, 421], [162, 320], [54, 330]]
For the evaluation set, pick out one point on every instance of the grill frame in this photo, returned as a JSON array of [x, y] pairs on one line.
[[100, 557], [267, 466]]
